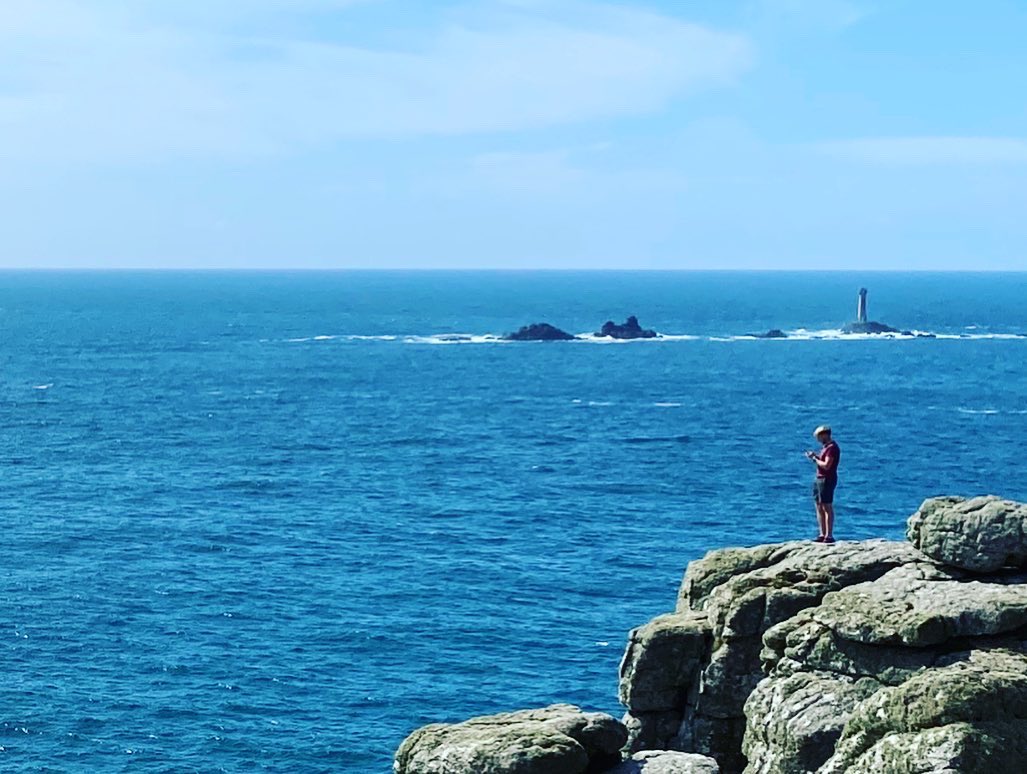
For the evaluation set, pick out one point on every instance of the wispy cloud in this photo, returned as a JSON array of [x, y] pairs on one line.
[[930, 150], [117, 79]]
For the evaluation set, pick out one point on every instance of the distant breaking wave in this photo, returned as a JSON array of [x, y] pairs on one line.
[[799, 334]]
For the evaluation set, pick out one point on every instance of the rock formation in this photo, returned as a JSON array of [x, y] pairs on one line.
[[539, 332], [773, 333], [560, 739], [872, 327], [863, 657], [630, 329]]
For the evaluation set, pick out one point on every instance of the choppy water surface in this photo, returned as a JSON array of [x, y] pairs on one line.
[[277, 521]]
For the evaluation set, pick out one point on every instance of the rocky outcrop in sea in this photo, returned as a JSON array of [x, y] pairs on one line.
[[539, 332], [861, 657], [629, 329]]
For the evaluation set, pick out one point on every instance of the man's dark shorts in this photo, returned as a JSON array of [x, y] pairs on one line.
[[823, 490]]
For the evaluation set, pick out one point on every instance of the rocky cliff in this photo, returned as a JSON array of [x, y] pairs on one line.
[[871, 656]]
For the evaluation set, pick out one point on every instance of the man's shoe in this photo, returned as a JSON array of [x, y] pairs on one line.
[[828, 540], [820, 539]]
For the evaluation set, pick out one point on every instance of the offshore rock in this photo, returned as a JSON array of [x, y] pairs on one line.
[[983, 534], [663, 762], [539, 332], [872, 327], [630, 329], [773, 333], [560, 739]]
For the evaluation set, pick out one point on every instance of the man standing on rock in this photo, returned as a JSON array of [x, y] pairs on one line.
[[826, 461]]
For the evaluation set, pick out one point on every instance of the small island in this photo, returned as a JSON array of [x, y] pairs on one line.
[[629, 329], [539, 332]]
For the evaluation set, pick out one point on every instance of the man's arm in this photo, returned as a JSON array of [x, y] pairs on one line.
[[826, 461]]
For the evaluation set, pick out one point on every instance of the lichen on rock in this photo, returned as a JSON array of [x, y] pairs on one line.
[[560, 739]]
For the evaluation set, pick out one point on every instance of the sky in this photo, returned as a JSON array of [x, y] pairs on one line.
[[556, 134]]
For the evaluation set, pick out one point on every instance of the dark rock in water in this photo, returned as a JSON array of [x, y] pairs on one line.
[[539, 332], [630, 329], [871, 327], [773, 333]]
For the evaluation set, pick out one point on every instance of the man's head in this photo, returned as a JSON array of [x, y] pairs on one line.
[[822, 433]]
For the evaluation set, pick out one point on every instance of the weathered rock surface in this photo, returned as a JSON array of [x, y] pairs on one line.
[[983, 534], [794, 722], [560, 739], [872, 656], [663, 762], [743, 593], [970, 716], [773, 333], [630, 329], [539, 332]]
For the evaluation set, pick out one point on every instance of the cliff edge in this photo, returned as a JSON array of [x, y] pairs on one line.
[[862, 656]]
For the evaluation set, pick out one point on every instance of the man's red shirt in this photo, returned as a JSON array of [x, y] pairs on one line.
[[830, 454]]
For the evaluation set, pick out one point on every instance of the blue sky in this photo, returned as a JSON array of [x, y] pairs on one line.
[[764, 134]]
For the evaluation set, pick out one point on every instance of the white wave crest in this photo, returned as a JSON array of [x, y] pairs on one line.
[[798, 334]]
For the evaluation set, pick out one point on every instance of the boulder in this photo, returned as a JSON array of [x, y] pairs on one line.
[[794, 722], [630, 329], [893, 627], [982, 534], [850, 678], [662, 661], [773, 333], [539, 332], [560, 739], [664, 762], [970, 716]]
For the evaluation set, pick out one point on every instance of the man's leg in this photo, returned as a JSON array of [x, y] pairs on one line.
[[828, 529], [822, 520]]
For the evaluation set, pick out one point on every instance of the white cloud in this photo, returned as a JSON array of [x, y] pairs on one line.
[[116, 80], [931, 150]]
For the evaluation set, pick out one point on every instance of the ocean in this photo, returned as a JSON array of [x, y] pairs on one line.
[[276, 521]]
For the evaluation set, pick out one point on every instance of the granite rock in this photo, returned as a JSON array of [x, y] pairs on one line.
[[982, 534], [969, 716], [560, 739], [664, 762]]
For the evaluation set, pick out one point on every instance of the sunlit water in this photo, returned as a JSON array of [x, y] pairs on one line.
[[277, 521]]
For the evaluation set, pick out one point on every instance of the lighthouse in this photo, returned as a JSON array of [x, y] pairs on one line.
[[861, 306]]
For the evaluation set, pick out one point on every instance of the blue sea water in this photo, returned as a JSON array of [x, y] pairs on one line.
[[277, 521]]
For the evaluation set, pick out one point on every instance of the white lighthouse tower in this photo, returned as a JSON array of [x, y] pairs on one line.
[[861, 306]]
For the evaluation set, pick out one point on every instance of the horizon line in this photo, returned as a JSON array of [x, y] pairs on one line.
[[488, 269]]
